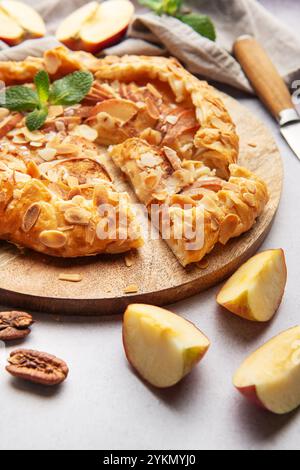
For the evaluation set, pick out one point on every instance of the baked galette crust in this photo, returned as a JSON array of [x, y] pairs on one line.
[[168, 132]]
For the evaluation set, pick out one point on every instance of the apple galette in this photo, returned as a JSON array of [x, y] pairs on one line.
[[169, 133]]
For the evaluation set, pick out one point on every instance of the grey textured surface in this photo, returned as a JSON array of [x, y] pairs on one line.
[[103, 405]]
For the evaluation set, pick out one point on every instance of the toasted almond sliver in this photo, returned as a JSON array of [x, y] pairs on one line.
[[47, 154], [77, 216], [55, 111], [34, 136], [31, 217], [131, 289], [154, 91], [3, 113], [150, 160], [70, 277], [65, 149], [53, 239], [173, 158], [36, 144], [86, 132], [172, 120], [249, 199]]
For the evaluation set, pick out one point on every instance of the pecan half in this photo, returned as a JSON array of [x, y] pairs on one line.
[[14, 325], [37, 367]]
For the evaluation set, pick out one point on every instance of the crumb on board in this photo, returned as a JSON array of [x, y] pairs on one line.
[[70, 277], [128, 261], [131, 289], [252, 144], [203, 264]]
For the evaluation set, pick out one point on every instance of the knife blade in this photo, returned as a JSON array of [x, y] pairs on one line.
[[291, 133], [270, 88]]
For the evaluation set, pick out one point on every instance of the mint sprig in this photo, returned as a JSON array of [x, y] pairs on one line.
[[71, 89], [20, 98], [68, 91], [202, 24], [42, 84], [36, 119]]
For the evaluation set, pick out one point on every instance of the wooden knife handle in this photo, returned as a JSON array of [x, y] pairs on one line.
[[263, 75]]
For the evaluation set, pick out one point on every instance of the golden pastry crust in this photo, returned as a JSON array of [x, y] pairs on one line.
[[167, 131], [200, 208], [56, 195], [58, 62], [216, 138]]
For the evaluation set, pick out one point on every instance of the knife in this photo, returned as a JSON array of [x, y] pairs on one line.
[[270, 88]]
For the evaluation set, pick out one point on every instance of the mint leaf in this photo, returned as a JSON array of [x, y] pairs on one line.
[[201, 24], [171, 7], [20, 98], [155, 5], [42, 83], [36, 119], [71, 89]]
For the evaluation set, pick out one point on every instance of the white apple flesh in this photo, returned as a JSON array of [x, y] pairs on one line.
[[10, 31], [19, 21], [270, 377], [255, 291], [96, 26], [161, 346]]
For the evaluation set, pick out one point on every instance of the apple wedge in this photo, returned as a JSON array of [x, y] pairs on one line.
[[160, 345], [270, 377], [96, 26], [18, 22], [255, 291]]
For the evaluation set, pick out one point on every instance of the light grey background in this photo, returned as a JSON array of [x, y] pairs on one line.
[[103, 405]]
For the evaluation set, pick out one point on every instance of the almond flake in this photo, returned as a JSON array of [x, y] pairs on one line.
[[249, 199], [19, 140], [3, 113], [31, 217], [53, 239], [34, 136], [173, 158], [36, 144], [131, 289], [154, 91], [77, 216], [70, 277], [60, 126], [47, 154], [55, 111], [150, 160], [86, 132], [172, 120]]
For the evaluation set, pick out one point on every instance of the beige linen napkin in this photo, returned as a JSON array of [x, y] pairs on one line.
[[151, 34]]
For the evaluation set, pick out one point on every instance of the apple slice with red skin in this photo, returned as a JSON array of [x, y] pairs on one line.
[[96, 26], [18, 22], [161, 346], [256, 290], [270, 377]]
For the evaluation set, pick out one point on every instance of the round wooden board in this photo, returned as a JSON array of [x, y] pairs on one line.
[[30, 280]]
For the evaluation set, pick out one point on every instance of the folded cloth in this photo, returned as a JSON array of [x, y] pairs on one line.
[[153, 35]]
